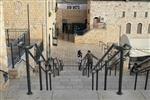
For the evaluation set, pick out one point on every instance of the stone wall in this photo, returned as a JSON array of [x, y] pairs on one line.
[[42, 17], [111, 34], [112, 12], [72, 16], [15, 15], [3, 51]]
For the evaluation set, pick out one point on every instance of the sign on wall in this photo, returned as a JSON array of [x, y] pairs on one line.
[[72, 6]]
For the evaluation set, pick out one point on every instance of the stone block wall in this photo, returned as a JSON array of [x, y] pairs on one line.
[[15, 15], [111, 34], [3, 51], [72, 16], [112, 12]]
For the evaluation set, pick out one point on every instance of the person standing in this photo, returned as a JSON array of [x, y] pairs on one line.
[[79, 55], [89, 56]]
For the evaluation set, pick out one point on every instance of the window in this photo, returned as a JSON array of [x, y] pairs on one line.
[[128, 28], [123, 14], [69, 7], [134, 14], [146, 14], [139, 28], [149, 28], [88, 11]]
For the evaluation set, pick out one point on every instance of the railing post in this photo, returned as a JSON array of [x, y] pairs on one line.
[[24, 38], [53, 68], [115, 70], [40, 76], [58, 71], [19, 50], [88, 70], [28, 72], [12, 55], [46, 76], [96, 79], [135, 83], [7, 37], [50, 82], [105, 79], [28, 16], [120, 72], [147, 74], [92, 81], [110, 71]]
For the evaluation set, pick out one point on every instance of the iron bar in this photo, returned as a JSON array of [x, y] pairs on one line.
[[96, 80], [121, 71], [92, 81], [135, 83], [12, 56], [146, 81], [28, 16], [50, 82], [28, 72], [40, 76], [46, 76], [105, 78]]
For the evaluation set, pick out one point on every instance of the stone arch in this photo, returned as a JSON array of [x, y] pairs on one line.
[[128, 28], [139, 28]]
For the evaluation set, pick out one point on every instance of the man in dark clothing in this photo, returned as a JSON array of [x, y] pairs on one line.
[[89, 56]]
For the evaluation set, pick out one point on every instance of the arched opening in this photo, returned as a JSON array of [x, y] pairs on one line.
[[139, 28], [149, 28], [128, 28]]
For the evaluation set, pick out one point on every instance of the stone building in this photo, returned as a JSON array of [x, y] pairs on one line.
[[3, 52], [14, 15], [71, 15], [41, 17], [130, 18], [105, 21]]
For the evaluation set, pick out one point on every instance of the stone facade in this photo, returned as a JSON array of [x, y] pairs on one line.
[[15, 16], [117, 14], [3, 51], [42, 20], [72, 16], [41, 16], [96, 36], [120, 13]]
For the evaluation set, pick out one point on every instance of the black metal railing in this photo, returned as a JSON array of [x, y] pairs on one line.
[[15, 52], [138, 69], [104, 62], [5, 75], [57, 66], [85, 68], [12, 35], [51, 64]]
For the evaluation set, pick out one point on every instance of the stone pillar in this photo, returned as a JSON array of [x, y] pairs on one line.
[[50, 17], [3, 51]]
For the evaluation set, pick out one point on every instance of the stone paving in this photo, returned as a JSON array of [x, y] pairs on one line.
[[68, 51], [71, 85]]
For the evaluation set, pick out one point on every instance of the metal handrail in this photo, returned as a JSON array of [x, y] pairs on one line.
[[56, 65], [143, 62], [136, 69], [143, 70], [3, 71], [100, 60]]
